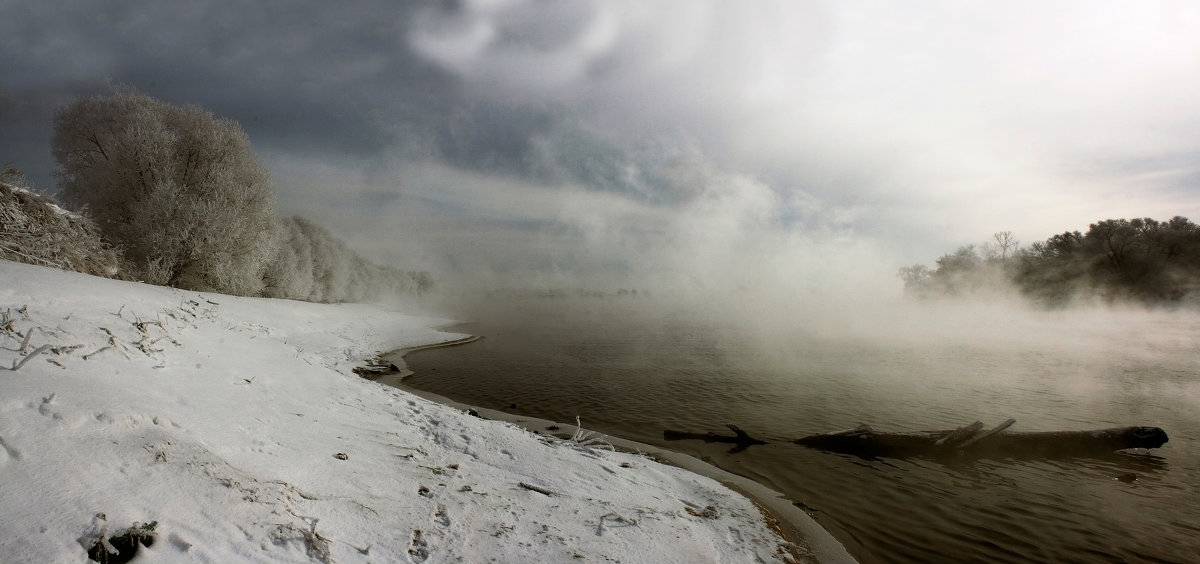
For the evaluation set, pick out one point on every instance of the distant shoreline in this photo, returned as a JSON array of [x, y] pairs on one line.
[[794, 524]]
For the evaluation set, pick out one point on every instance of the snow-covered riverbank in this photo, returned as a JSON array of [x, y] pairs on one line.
[[237, 427]]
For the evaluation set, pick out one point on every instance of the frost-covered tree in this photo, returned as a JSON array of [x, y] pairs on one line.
[[314, 265], [290, 274], [176, 187]]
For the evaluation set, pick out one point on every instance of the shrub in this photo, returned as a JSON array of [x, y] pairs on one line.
[[176, 187]]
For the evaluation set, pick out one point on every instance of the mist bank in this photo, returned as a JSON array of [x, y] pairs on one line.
[[794, 326]]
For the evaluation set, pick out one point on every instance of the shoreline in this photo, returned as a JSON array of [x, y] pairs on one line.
[[245, 437], [793, 524]]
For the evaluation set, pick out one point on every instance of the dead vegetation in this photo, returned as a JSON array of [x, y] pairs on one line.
[[34, 230]]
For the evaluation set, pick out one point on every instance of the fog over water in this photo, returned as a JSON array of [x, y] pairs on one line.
[[635, 366]]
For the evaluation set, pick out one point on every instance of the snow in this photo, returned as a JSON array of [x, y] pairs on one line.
[[49, 203], [237, 427]]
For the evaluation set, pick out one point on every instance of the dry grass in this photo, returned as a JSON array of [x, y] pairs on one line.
[[34, 230]]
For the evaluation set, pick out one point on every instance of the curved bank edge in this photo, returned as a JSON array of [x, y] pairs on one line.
[[797, 524]]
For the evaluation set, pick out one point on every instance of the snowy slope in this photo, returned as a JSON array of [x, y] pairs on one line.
[[219, 419]]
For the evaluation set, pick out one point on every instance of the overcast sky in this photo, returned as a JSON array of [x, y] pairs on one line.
[[648, 142]]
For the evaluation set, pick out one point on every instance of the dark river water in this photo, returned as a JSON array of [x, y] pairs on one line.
[[630, 370]]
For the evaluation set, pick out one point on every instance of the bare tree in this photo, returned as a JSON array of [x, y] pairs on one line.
[[914, 276], [1006, 244]]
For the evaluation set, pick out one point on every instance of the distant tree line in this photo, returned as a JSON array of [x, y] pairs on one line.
[[313, 265], [1141, 260], [178, 192]]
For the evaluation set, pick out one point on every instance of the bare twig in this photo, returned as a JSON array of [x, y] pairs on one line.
[[6, 323], [617, 519], [65, 350], [317, 544], [534, 488], [142, 325], [98, 351], [588, 439]]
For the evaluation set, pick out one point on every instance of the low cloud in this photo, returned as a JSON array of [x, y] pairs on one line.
[[793, 145]]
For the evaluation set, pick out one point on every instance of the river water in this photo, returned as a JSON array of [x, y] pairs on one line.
[[630, 369]]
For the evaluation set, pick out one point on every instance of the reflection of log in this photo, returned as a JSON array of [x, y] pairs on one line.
[[740, 439], [997, 442]]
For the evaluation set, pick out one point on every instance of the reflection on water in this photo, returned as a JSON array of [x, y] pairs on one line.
[[631, 373]]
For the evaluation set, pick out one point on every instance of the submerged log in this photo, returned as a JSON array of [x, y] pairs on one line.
[[959, 435], [740, 438], [976, 438], [998, 442]]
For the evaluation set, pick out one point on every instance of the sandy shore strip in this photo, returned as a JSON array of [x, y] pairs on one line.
[[792, 522]]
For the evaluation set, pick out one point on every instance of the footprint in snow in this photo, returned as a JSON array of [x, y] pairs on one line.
[[46, 408], [418, 549]]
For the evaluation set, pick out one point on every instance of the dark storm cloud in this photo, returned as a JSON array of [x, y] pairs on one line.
[[323, 79], [346, 81], [319, 79], [654, 132]]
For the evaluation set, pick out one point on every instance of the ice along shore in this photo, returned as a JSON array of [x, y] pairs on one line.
[[216, 428]]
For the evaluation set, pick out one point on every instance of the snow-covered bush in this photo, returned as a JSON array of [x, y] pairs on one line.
[[313, 265], [290, 273], [192, 207], [34, 230], [176, 187]]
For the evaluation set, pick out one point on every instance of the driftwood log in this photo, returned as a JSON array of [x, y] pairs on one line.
[[739, 439], [972, 440], [969, 440]]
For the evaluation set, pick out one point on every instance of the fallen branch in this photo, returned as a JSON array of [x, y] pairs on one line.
[[740, 439], [534, 488], [17, 365]]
